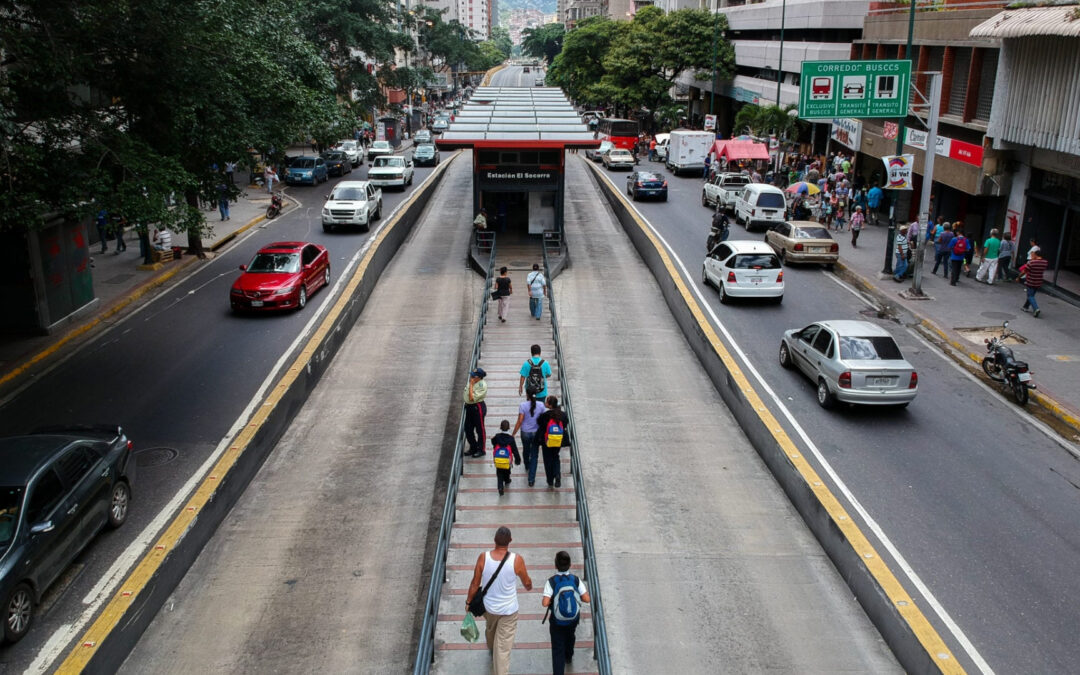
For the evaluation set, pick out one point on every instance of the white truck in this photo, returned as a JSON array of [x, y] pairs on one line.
[[722, 189], [687, 150]]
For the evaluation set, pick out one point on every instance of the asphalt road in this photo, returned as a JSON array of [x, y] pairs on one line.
[[977, 497], [177, 375], [515, 76]]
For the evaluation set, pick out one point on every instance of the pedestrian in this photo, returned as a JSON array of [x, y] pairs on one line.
[[991, 249], [475, 411], [102, 221], [504, 288], [537, 291], [1005, 254], [708, 165], [941, 250], [534, 373], [480, 221], [554, 436], [223, 199], [901, 249], [958, 247], [500, 597], [563, 595], [269, 176], [973, 245], [652, 149], [1032, 273], [230, 169], [874, 199], [857, 220], [529, 411], [118, 225], [503, 447], [839, 218]]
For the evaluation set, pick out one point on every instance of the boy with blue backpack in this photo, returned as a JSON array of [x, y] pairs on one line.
[[563, 595], [503, 447]]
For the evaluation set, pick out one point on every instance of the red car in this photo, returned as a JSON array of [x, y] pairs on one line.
[[281, 276]]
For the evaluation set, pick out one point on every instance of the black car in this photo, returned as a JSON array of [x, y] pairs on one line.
[[58, 488], [337, 163], [642, 184]]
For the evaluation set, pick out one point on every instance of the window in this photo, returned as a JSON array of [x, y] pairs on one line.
[[878, 347], [823, 341], [958, 92], [721, 252], [756, 261], [812, 233], [309, 255], [807, 334], [75, 463], [770, 200], [275, 262], [45, 496], [987, 80]]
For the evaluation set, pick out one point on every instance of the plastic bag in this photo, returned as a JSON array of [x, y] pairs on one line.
[[469, 631]]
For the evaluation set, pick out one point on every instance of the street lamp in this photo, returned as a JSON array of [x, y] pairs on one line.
[[780, 63]]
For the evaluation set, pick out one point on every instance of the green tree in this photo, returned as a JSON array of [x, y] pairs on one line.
[[581, 65], [544, 42], [761, 121], [501, 38]]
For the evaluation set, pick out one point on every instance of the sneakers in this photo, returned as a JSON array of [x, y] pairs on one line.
[[558, 480], [1026, 309], [501, 491], [532, 483], [1037, 313]]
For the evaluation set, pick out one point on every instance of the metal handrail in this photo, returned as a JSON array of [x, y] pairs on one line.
[[600, 643], [425, 651]]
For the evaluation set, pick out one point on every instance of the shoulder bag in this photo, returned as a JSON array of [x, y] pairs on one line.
[[476, 605]]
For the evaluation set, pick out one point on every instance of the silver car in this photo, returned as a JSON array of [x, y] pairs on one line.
[[851, 362]]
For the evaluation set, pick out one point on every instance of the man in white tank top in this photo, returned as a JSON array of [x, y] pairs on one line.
[[500, 601]]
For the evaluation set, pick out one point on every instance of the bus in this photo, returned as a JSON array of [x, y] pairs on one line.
[[622, 133]]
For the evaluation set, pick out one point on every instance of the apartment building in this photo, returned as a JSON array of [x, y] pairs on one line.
[[577, 10], [476, 16]]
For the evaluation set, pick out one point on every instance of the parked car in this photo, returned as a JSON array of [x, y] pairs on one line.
[[803, 241], [723, 189], [662, 141], [440, 125], [851, 362], [687, 149], [618, 158], [426, 154], [306, 170], [353, 150], [596, 154], [337, 163], [391, 171], [539, 81], [422, 136], [760, 204], [281, 276], [378, 149], [60, 487], [744, 269], [352, 202], [642, 184]]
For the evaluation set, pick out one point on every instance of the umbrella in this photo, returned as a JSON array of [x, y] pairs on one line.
[[804, 188]]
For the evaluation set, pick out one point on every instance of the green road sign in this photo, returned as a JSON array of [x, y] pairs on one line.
[[854, 89]]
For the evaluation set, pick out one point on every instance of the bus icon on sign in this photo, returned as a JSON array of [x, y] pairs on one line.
[[886, 87], [821, 88]]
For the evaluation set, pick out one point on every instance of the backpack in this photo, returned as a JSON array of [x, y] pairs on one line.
[[501, 455], [565, 600], [961, 246], [534, 382], [555, 431]]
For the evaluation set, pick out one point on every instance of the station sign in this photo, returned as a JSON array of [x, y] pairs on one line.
[[833, 89], [518, 176]]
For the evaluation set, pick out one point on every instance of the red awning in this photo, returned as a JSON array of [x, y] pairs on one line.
[[718, 148], [741, 150]]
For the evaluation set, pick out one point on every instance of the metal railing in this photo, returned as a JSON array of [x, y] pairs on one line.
[[600, 644], [553, 242], [425, 651], [485, 241]]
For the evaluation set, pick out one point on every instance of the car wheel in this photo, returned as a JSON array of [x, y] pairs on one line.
[[783, 254], [778, 299], [378, 211], [704, 277], [825, 398], [327, 228], [301, 300], [118, 505], [704, 199], [724, 297], [18, 612], [785, 356], [326, 277]]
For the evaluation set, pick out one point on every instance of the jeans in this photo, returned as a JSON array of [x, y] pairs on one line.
[[552, 465], [530, 443], [103, 235], [900, 268], [1003, 268], [941, 259], [854, 238], [562, 645], [474, 426], [1030, 301], [121, 245], [223, 207], [536, 306], [954, 269]]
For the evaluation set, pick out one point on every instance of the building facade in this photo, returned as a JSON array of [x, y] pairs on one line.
[[476, 16]]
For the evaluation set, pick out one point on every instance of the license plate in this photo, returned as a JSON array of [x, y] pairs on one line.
[[756, 280], [880, 381], [818, 249], [1024, 377], [256, 303]]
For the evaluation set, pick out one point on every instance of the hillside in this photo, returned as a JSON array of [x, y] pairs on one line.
[[545, 6]]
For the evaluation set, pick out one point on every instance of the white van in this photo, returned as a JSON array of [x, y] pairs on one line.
[[760, 204]]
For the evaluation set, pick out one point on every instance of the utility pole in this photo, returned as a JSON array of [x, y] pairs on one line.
[[712, 94], [780, 64], [887, 269], [928, 181]]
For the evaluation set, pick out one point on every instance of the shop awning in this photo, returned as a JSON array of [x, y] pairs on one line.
[[1030, 22], [740, 150]]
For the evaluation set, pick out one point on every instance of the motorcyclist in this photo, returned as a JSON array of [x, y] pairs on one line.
[[719, 231]]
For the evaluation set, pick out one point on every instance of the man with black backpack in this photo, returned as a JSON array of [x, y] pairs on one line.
[[554, 436], [534, 374], [563, 595]]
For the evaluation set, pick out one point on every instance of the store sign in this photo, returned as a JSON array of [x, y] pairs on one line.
[[847, 131], [898, 171], [969, 153], [710, 123], [831, 89]]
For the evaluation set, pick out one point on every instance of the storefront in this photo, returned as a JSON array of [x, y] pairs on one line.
[[1052, 219]]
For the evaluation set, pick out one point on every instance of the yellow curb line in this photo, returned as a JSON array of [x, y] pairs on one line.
[[138, 579], [486, 82], [935, 647]]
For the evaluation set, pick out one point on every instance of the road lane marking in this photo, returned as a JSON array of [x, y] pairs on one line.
[[932, 642], [205, 479]]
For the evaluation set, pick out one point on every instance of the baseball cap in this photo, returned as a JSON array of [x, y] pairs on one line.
[[479, 372]]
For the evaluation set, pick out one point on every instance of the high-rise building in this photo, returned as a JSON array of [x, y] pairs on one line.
[[475, 15]]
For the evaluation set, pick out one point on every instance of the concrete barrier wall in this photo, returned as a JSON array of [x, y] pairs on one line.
[[127, 624], [900, 635]]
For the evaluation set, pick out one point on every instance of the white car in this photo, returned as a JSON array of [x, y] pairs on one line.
[[723, 189], [352, 203], [352, 150], [618, 158], [760, 204], [744, 269], [440, 125], [379, 148], [394, 170]]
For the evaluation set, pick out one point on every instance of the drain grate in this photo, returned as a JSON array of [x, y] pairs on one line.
[[147, 457], [978, 334]]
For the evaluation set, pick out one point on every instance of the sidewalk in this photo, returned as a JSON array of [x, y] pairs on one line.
[[966, 313], [119, 283]]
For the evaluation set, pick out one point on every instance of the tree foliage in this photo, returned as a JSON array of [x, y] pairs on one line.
[[761, 121], [544, 42]]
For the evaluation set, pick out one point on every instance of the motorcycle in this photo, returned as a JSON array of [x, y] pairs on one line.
[[275, 206], [719, 231], [1002, 367]]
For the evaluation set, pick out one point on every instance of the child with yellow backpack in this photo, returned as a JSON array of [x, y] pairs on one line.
[[503, 447]]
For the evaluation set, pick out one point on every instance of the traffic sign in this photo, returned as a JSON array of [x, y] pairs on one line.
[[831, 89]]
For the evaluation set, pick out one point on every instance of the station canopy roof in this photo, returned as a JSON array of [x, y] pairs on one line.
[[508, 117]]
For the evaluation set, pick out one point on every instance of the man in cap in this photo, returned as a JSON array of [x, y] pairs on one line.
[[480, 222], [475, 411], [901, 251]]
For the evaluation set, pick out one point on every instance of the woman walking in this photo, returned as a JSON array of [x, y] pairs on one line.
[[857, 220], [529, 413], [503, 290]]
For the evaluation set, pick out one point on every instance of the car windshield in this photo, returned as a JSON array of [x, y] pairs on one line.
[[620, 153], [646, 177], [348, 194], [348, 145], [812, 233], [874, 348], [749, 261], [334, 156], [736, 181], [380, 145], [304, 164], [10, 501], [425, 149], [275, 262], [770, 200], [390, 161]]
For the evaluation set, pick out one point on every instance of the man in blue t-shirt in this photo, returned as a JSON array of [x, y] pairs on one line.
[[542, 367], [874, 198]]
